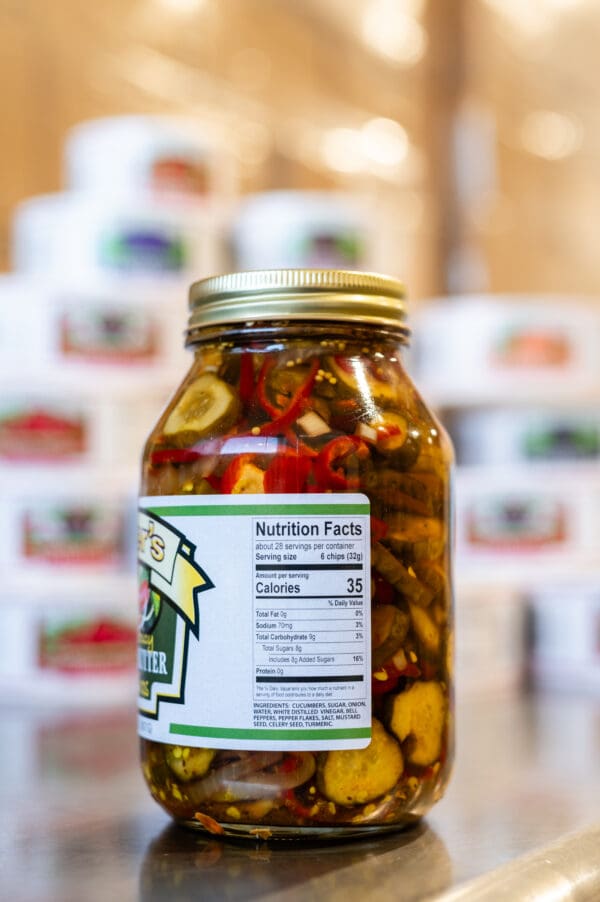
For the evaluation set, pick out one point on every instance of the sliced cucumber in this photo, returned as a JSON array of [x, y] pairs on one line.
[[399, 490], [400, 577], [207, 407], [356, 776], [418, 717], [426, 630], [351, 382], [389, 626], [188, 763], [400, 451], [411, 528], [346, 383]]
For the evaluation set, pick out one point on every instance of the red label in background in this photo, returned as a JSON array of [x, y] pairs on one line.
[[108, 335], [519, 524], [39, 432], [72, 535], [179, 175], [85, 645], [534, 347]]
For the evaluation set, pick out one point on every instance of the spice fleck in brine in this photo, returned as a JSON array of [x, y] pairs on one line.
[[295, 592]]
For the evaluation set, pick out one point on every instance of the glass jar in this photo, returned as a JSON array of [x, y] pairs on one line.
[[295, 639]]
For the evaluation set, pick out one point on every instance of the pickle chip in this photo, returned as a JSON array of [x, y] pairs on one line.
[[355, 776], [400, 450], [389, 627], [207, 407], [188, 763], [403, 579], [426, 630], [346, 384], [351, 378], [421, 538], [399, 491], [417, 717]]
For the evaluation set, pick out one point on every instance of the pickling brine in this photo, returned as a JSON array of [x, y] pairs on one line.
[[295, 641]]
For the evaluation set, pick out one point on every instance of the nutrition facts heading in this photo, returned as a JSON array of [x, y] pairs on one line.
[[298, 529]]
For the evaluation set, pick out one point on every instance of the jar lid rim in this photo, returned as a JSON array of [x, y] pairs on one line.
[[297, 294]]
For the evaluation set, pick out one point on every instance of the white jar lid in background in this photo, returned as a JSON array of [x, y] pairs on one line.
[[123, 334], [507, 348], [165, 156], [90, 236], [305, 229]]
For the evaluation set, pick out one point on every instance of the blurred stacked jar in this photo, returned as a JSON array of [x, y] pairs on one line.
[[304, 229], [91, 342], [90, 345], [516, 381]]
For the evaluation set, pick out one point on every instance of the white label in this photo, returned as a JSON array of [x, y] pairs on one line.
[[255, 621]]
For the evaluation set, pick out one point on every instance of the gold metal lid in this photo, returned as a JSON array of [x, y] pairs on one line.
[[323, 295]]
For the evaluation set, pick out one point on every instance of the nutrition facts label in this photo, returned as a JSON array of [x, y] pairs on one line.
[[263, 603], [311, 608]]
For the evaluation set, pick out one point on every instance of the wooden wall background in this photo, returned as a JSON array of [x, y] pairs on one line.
[[486, 211], [273, 72]]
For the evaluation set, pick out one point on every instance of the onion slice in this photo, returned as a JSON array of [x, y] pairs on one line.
[[367, 432], [312, 424], [228, 784]]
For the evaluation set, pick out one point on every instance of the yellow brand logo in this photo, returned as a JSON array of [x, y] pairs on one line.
[[174, 574]]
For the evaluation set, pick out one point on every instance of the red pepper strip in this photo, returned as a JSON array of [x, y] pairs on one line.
[[411, 670], [174, 456], [380, 687], [214, 482], [345, 364], [329, 468], [283, 418], [261, 388], [295, 805], [287, 472], [386, 430], [379, 529], [289, 764], [384, 592], [246, 378], [233, 473], [428, 671]]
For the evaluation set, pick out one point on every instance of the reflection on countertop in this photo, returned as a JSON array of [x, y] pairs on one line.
[[181, 867], [76, 817]]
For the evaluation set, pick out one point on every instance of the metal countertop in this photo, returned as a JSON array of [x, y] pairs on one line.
[[76, 820]]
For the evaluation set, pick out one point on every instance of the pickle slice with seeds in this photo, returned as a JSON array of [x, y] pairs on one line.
[[188, 763], [427, 632], [405, 581], [207, 407], [355, 776], [351, 381], [389, 627], [417, 719]]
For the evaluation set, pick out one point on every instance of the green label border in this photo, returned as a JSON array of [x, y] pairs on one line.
[[236, 510], [183, 729]]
